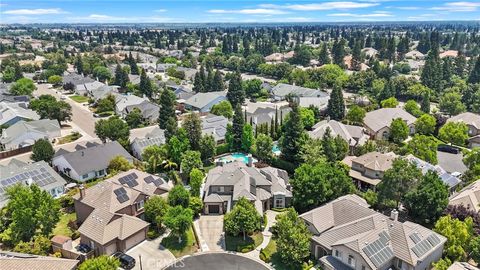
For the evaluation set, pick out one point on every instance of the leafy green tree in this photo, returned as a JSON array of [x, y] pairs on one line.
[[412, 107], [458, 234], [243, 218], [154, 155], [425, 124], [50, 108], [133, 65], [208, 147], [237, 129], [293, 238], [119, 164], [315, 184], [302, 55], [145, 85], [425, 106], [389, 103], [474, 248], [442, 264], [293, 135], [224, 108], [397, 181], [248, 139], [356, 114], [236, 93], [114, 129], [179, 196], [155, 209], [29, 211], [100, 263], [472, 161], [40, 245], [338, 52], [336, 105], [427, 202], [55, 80], [177, 145], [193, 126], [263, 147], [190, 159], [23, 87], [196, 180], [424, 147], [42, 150], [252, 87], [167, 108], [8, 74], [106, 104], [451, 103], [102, 73], [398, 130], [196, 205], [454, 133], [308, 117], [134, 118], [179, 220]]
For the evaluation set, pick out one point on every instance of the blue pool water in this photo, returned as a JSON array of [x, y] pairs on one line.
[[276, 149], [235, 157]]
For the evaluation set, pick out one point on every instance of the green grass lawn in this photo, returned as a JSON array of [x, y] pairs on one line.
[[236, 243], [186, 247], [79, 99], [62, 225], [69, 138]]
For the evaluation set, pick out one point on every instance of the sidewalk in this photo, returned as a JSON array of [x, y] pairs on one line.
[[267, 234]]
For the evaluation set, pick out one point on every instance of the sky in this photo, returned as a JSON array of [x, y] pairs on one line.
[[246, 11]]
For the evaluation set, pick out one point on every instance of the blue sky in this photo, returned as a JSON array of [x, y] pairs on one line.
[[196, 11]]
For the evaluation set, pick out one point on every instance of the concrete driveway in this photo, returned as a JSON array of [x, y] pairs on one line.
[[153, 255], [211, 233]]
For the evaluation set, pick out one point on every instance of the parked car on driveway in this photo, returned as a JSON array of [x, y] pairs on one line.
[[126, 261], [449, 149]]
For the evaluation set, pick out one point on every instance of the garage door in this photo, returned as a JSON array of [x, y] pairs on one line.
[[110, 249], [134, 240], [213, 209]]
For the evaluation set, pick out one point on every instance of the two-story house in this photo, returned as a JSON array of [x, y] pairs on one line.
[[367, 170], [111, 212], [266, 188], [347, 235], [472, 121]]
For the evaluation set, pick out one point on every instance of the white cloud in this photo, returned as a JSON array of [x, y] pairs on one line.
[[248, 11], [160, 10], [102, 17], [330, 6], [458, 6], [377, 14], [38, 11], [407, 8]]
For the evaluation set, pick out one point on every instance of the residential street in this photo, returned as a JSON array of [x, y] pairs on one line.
[[81, 115]]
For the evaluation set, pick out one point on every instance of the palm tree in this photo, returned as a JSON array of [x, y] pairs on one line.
[[169, 165], [154, 155]]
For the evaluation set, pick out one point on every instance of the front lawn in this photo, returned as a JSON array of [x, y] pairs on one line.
[[79, 99], [188, 245], [62, 225], [70, 138], [236, 243]]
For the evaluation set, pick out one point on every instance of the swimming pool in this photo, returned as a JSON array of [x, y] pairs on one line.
[[235, 157], [276, 150]]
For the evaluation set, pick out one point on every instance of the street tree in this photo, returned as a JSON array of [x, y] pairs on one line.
[[454, 133], [42, 150], [243, 218], [179, 220]]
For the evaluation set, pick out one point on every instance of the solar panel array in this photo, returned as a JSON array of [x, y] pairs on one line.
[[129, 180], [121, 195], [379, 252], [149, 179], [151, 141], [415, 238], [41, 177], [424, 246]]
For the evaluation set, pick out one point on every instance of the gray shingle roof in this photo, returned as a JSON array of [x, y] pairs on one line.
[[9, 111], [283, 90], [201, 100], [467, 118], [215, 126], [378, 119], [21, 127], [94, 158], [22, 261], [39, 173]]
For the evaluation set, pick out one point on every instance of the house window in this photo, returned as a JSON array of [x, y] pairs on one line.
[[351, 260], [399, 264], [363, 267], [140, 205], [85, 176], [279, 203], [221, 189], [338, 254], [101, 172]]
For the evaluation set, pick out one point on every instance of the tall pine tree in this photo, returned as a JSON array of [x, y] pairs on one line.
[[324, 58], [145, 84], [167, 108], [237, 129], [235, 94], [475, 74], [293, 136], [336, 105], [432, 71]]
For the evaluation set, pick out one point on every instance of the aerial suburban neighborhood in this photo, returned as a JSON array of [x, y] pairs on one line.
[[326, 135]]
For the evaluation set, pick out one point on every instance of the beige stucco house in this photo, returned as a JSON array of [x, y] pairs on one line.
[[378, 122]]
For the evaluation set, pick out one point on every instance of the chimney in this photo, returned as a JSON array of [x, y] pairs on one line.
[[82, 191], [250, 160], [394, 215]]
